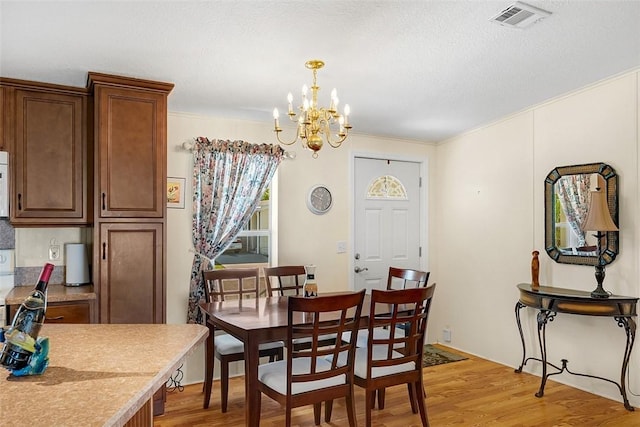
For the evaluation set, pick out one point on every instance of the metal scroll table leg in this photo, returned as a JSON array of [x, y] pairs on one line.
[[544, 316], [630, 328], [519, 306]]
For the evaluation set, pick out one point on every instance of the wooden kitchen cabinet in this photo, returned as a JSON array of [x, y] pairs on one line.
[[131, 127], [3, 124], [45, 131], [78, 312], [130, 176], [66, 312], [131, 273]]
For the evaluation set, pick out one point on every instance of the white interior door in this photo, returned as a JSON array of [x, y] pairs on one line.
[[387, 219]]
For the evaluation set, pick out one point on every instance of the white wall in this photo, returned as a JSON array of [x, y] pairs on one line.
[[486, 215], [32, 244], [490, 216], [302, 237]]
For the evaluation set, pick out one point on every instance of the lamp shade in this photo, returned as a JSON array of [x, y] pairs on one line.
[[599, 217]]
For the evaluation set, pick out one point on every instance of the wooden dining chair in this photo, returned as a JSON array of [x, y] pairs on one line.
[[403, 278], [289, 280], [395, 359], [311, 376], [285, 280], [398, 278], [219, 285]]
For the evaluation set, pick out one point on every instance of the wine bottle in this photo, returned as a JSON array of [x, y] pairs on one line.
[[20, 338]]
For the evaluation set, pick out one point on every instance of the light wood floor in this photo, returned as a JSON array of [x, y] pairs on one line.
[[473, 392]]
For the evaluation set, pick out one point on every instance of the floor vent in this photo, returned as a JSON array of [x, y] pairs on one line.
[[520, 15]]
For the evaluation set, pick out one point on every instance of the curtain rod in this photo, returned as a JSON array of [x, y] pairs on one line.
[[188, 146]]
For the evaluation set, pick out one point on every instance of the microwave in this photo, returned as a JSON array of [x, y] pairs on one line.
[[4, 184]]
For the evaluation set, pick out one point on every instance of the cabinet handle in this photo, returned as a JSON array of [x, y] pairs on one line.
[[54, 318], [104, 251], [19, 201], [104, 197]]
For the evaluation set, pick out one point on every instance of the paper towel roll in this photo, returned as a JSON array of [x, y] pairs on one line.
[[77, 271]]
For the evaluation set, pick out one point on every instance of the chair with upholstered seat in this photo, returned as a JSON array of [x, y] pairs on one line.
[[398, 278], [311, 376], [289, 280], [396, 359], [403, 278], [220, 285]]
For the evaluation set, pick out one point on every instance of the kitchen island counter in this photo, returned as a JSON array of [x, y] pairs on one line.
[[98, 374]]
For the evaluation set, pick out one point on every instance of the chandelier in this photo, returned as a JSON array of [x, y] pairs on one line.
[[315, 124]]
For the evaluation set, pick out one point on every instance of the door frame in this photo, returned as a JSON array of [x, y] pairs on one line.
[[424, 204]]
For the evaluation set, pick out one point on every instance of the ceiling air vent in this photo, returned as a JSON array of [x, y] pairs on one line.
[[520, 15]]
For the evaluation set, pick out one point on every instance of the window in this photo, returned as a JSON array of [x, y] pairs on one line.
[[252, 244], [386, 187]]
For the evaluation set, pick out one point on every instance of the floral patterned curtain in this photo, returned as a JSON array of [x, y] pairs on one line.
[[229, 178], [574, 195]]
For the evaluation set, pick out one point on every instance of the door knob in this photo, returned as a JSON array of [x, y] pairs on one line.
[[360, 270]]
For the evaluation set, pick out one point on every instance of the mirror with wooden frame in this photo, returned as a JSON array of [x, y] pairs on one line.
[[567, 192]]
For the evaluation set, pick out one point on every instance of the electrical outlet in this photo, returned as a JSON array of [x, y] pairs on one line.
[[446, 335], [54, 252]]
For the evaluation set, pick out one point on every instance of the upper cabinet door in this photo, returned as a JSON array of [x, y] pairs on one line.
[[3, 122], [49, 159], [131, 149]]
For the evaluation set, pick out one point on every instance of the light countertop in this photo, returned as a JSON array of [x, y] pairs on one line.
[[55, 293], [98, 374]]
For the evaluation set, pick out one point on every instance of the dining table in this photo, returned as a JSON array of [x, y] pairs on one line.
[[254, 321]]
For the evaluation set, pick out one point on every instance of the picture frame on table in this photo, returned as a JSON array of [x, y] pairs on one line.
[[176, 192]]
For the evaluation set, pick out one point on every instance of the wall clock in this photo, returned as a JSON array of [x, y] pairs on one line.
[[319, 199]]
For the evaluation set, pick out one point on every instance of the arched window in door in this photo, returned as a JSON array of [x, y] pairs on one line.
[[386, 187]]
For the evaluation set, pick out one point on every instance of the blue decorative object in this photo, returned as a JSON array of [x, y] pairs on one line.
[[38, 361]]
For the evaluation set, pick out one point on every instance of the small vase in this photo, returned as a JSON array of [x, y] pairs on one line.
[[310, 285], [535, 271]]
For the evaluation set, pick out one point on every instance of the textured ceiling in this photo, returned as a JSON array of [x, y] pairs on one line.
[[423, 70]]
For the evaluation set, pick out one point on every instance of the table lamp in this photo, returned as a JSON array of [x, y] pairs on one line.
[[599, 220]]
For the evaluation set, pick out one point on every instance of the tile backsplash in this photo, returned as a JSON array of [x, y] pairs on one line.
[[7, 235]]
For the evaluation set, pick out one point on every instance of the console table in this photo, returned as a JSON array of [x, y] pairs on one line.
[[551, 301]]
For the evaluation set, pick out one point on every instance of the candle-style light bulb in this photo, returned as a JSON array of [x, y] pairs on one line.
[[290, 100], [347, 111], [275, 118], [334, 96]]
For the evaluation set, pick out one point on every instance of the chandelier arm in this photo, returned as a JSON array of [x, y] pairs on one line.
[[283, 142], [338, 143], [325, 128]]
